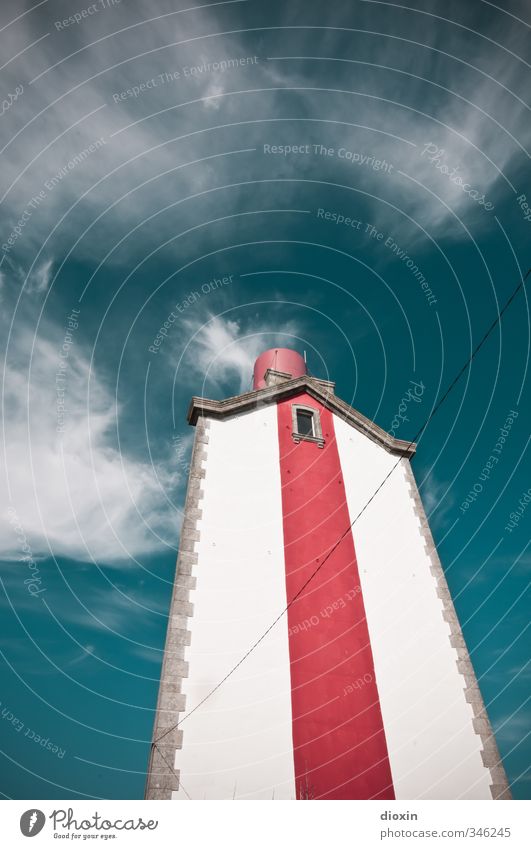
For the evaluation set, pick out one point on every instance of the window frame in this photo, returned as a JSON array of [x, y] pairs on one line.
[[317, 431], [302, 417]]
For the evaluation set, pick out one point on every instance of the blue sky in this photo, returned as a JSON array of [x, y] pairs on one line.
[[148, 153]]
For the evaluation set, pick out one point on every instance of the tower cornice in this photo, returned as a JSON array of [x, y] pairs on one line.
[[321, 390]]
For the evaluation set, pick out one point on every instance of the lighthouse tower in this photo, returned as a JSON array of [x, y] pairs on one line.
[[313, 649]]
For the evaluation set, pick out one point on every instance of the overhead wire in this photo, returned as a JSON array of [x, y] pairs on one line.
[[347, 530]]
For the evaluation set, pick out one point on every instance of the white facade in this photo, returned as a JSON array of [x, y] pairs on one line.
[[239, 743], [434, 751]]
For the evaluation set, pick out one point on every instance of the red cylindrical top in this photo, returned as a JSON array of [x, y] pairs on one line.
[[279, 359]]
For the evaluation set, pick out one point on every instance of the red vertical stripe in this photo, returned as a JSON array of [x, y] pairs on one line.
[[338, 736]]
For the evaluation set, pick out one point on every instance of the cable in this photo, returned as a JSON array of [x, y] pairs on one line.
[[168, 764], [375, 493]]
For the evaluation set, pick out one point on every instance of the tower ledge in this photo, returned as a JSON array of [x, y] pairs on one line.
[[321, 390]]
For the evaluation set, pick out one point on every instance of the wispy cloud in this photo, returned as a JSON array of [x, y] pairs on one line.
[[437, 498], [86, 652], [39, 280], [74, 492], [513, 728], [428, 84], [221, 351]]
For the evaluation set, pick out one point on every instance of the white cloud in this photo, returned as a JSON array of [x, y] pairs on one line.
[[39, 279], [513, 728], [422, 97], [52, 155], [72, 490], [220, 352], [74, 493], [212, 96], [437, 498], [86, 652]]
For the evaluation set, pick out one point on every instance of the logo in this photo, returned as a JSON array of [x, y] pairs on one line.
[[31, 822]]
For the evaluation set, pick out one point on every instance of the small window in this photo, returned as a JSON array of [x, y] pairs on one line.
[[306, 425]]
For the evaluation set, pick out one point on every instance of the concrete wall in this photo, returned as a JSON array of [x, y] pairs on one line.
[[434, 750], [239, 744]]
